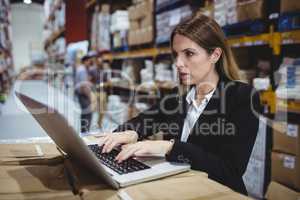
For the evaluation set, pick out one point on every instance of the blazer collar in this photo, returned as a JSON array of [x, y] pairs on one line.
[[214, 101]]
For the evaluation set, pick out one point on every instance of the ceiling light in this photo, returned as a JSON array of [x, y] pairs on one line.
[[27, 1]]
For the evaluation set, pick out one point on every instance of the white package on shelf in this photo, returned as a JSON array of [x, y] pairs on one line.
[[104, 32], [119, 21], [94, 29]]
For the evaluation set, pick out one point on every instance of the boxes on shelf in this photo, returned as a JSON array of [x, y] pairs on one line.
[[286, 169], [289, 6], [277, 191], [289, 85], [250, 10], [286, 138], [163, 73], [141, 23]]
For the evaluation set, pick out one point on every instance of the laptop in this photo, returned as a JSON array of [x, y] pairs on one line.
[[128, 172]]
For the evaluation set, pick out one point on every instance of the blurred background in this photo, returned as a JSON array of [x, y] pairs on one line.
[[101, 62]]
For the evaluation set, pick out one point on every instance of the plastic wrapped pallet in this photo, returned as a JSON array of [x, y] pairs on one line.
[[220, 12], [166, 21], [104, 32], [119, 21], [231, 15]]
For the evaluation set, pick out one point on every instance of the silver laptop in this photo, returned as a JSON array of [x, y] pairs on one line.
[[129, 172]]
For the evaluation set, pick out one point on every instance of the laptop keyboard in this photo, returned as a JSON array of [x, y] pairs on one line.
[[108, 159]]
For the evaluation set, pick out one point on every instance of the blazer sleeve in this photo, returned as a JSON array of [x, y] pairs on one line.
[[230, 163], [145, 124]]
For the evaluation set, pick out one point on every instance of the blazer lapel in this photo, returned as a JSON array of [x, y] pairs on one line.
[[212, 109], [183, 107]]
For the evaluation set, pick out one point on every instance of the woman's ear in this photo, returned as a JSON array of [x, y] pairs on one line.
[[216, 54]]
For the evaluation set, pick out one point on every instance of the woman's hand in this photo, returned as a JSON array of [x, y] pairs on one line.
[[144, 148], [111, 140]]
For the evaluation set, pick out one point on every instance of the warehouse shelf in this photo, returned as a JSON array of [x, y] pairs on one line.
[[149, 52], [135, 88], [290, 105], [273, 39], [244, 41], [290, 37], [54, 37]]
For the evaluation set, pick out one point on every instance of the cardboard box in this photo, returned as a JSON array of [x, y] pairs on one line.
[[286, 138], [249, 10], [277, 191], [134, 25], [289, 6], [140, 10], [148, 34], [147, 20], [50, 182], [286, 169]]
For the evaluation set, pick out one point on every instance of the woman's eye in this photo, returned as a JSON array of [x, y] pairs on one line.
[[189, 54]]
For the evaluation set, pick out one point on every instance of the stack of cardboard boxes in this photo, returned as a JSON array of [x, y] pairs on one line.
[[237, 11], [286, 154], [285, 167], [38, 171], [141, 22]]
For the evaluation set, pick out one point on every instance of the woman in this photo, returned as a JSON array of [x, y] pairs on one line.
[[213, 125]]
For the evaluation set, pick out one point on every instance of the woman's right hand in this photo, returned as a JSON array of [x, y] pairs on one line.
[[111, 140]]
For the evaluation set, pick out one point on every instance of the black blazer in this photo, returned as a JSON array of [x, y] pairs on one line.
[[222, 139]]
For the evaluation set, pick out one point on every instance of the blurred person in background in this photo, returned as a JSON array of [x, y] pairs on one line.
[[83, 91], [98, 75]]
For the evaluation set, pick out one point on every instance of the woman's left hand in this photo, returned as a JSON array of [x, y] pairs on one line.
[[144, 148]]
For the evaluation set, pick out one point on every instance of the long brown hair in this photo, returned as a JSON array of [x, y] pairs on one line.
[[208, 34]]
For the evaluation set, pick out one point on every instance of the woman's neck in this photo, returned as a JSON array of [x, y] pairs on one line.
[[208, 85]]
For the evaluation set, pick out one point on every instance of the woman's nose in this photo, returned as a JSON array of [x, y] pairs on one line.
[[178, 63]]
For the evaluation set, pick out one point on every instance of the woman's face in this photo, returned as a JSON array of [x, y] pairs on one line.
[[193, 63]]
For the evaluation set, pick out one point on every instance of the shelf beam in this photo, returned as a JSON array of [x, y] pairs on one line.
[[274, 40], [54, 37], [149, 52]]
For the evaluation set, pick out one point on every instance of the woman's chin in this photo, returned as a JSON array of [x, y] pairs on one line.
[[186, 82]]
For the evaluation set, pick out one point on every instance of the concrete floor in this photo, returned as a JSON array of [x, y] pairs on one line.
[[17, 123]]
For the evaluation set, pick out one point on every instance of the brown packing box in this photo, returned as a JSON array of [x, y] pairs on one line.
[[149, 34], [32, 178], [147, 20], [140, 10], [24, 151], [286, 138], [289, 5], [186, 186], [131, 13], [134, 25], [277, 191], [248, 10], [286, 169], [49, 182]]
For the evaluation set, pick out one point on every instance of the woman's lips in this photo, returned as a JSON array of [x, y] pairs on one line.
[[183, 75]]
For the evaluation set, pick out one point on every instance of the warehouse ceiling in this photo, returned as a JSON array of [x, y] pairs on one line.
[[33, 1]]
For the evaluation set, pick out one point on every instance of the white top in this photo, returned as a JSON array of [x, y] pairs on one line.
[[194, 112]]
